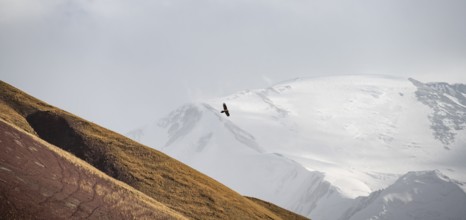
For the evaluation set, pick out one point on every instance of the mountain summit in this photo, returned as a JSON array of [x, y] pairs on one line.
[[314, 145]]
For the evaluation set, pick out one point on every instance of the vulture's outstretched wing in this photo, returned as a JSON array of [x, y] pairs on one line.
[[225, 110]]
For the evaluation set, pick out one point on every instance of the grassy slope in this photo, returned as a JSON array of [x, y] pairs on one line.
[[168, 181], [283, 213]]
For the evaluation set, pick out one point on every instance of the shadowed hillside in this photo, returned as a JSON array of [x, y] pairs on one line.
[[166, 180]]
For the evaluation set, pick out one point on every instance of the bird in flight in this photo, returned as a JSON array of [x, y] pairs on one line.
[[225, 110]]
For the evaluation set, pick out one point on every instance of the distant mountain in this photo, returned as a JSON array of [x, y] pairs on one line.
[[422, 195], [314, 145], [54, 165]]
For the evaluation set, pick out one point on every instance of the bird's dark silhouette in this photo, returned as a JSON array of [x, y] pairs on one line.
[[225, 110]]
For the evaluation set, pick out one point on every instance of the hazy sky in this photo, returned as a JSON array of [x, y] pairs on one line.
[[123, 63]]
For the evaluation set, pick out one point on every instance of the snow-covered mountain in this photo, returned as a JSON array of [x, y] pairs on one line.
[[330, 147], [416, 195]]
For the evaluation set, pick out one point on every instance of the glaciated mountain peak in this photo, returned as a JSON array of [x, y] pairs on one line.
[[415, 195], [317, 145]]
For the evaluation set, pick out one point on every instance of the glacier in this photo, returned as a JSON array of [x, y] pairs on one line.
[[339, 147]]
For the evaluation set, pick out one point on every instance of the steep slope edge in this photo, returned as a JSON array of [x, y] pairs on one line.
[[170, 182]]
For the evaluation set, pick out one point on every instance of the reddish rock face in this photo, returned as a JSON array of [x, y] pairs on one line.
[[41, 183]]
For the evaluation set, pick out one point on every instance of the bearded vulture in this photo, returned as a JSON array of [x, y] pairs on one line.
[[225, 110]]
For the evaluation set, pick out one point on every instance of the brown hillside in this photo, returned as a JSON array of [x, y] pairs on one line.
[[41, 181], [283, 213], [166, 180]]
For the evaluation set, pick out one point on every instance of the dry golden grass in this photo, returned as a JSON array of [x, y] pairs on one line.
[[283, 213], [153, 173]]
